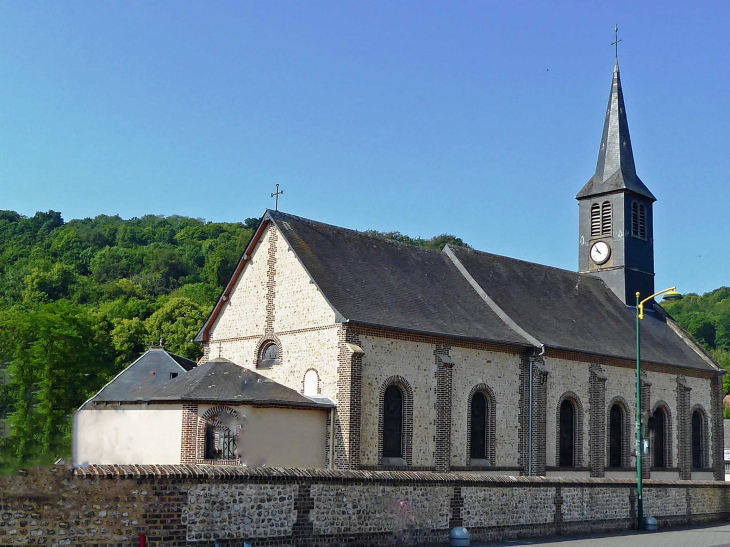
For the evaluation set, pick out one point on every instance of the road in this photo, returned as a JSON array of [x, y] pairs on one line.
[[701, 536]]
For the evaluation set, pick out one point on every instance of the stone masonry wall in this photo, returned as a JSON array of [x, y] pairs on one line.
[[664, 389], [568, 377], [501, 373], [274, 300], [177, 506], [414, 362]]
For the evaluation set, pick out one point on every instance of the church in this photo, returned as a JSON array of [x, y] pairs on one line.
[[391, 356]]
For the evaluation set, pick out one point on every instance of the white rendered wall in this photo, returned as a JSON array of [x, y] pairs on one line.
[[130, 434], [280, 437]]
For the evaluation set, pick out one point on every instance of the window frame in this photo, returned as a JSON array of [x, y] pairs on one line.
[[578, 433], [263, 347], [663, 407], [702, 444], [490, 427], [407, 423]]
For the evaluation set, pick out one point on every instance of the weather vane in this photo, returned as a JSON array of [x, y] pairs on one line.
[[277, 194], [616, 42]]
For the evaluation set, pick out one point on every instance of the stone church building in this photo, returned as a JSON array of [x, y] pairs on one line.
[[420, 359], [426, 354]]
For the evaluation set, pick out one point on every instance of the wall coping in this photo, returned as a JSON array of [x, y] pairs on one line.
[[242, 474]]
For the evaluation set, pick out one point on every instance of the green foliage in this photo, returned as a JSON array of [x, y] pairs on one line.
[[57, 356], [707, 318], [176, 322], [81, 300], [436, 242]]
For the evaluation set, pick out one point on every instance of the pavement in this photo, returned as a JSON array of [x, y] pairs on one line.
[[696, 536]]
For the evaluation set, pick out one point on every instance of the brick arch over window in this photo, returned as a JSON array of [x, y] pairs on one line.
[[663, 407], [704, 441], [212, 417], [261, 346], [577, 428], [625, 431], [407, 435], [319, 381], [491, 422]]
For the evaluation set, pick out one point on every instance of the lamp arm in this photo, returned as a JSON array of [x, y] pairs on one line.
[[641, 304]]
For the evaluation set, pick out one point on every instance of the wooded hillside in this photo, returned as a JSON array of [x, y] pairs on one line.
[[81, 300]]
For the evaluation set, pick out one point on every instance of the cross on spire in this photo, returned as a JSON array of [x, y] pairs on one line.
[[616, 42], [277, 194]]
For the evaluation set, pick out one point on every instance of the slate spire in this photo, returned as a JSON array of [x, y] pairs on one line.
[[615, 169]]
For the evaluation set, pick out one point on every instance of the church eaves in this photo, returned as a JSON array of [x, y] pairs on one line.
[[615, 170], [372, 281]]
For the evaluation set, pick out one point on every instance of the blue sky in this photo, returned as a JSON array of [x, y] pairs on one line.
[[475, 118]]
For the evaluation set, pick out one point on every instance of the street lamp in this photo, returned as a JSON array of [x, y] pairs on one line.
[[671, 294]]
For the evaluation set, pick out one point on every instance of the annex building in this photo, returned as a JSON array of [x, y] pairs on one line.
[[392, 356]]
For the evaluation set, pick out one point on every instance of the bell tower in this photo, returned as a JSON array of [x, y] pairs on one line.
[[616, 234]]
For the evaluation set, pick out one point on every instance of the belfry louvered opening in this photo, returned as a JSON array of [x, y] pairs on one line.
[[606, 218], [595, 220], [638, 220], [601, 219]]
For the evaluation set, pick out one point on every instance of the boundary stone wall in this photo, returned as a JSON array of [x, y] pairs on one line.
[[199, 505]]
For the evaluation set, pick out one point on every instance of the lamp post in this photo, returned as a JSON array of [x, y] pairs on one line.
[[672, 294]]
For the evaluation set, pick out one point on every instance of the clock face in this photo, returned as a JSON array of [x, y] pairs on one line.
[[600, 252]]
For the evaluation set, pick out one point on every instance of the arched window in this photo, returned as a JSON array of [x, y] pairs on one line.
[[269, 355], [659, 438], [393, 422], [606, 218], [567, 434], [698, 440], [311, 383], [220, 433], [479, 432], [616, 436], [595, 220]]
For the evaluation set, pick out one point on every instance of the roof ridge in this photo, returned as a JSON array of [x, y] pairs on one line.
[[125, 369], [496, 308], [376, 237], [468, 249], [180, 356]]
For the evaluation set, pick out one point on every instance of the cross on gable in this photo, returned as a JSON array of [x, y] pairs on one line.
[[277, 194]]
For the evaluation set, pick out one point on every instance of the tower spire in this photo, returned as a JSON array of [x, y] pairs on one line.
[[615, 169], [616, 229]]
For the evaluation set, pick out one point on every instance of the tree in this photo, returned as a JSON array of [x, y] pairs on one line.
[[176, 323], [58, 355], [129, 338]]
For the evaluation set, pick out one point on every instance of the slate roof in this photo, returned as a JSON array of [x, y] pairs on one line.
[[574, 311], [222, 380], [615, 169], [373, 281], [151, 369]]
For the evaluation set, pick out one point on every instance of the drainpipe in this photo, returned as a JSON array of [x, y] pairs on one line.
[[333, 429], [533, 357]]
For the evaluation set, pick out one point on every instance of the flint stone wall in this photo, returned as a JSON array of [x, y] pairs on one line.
[[190, 505]]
